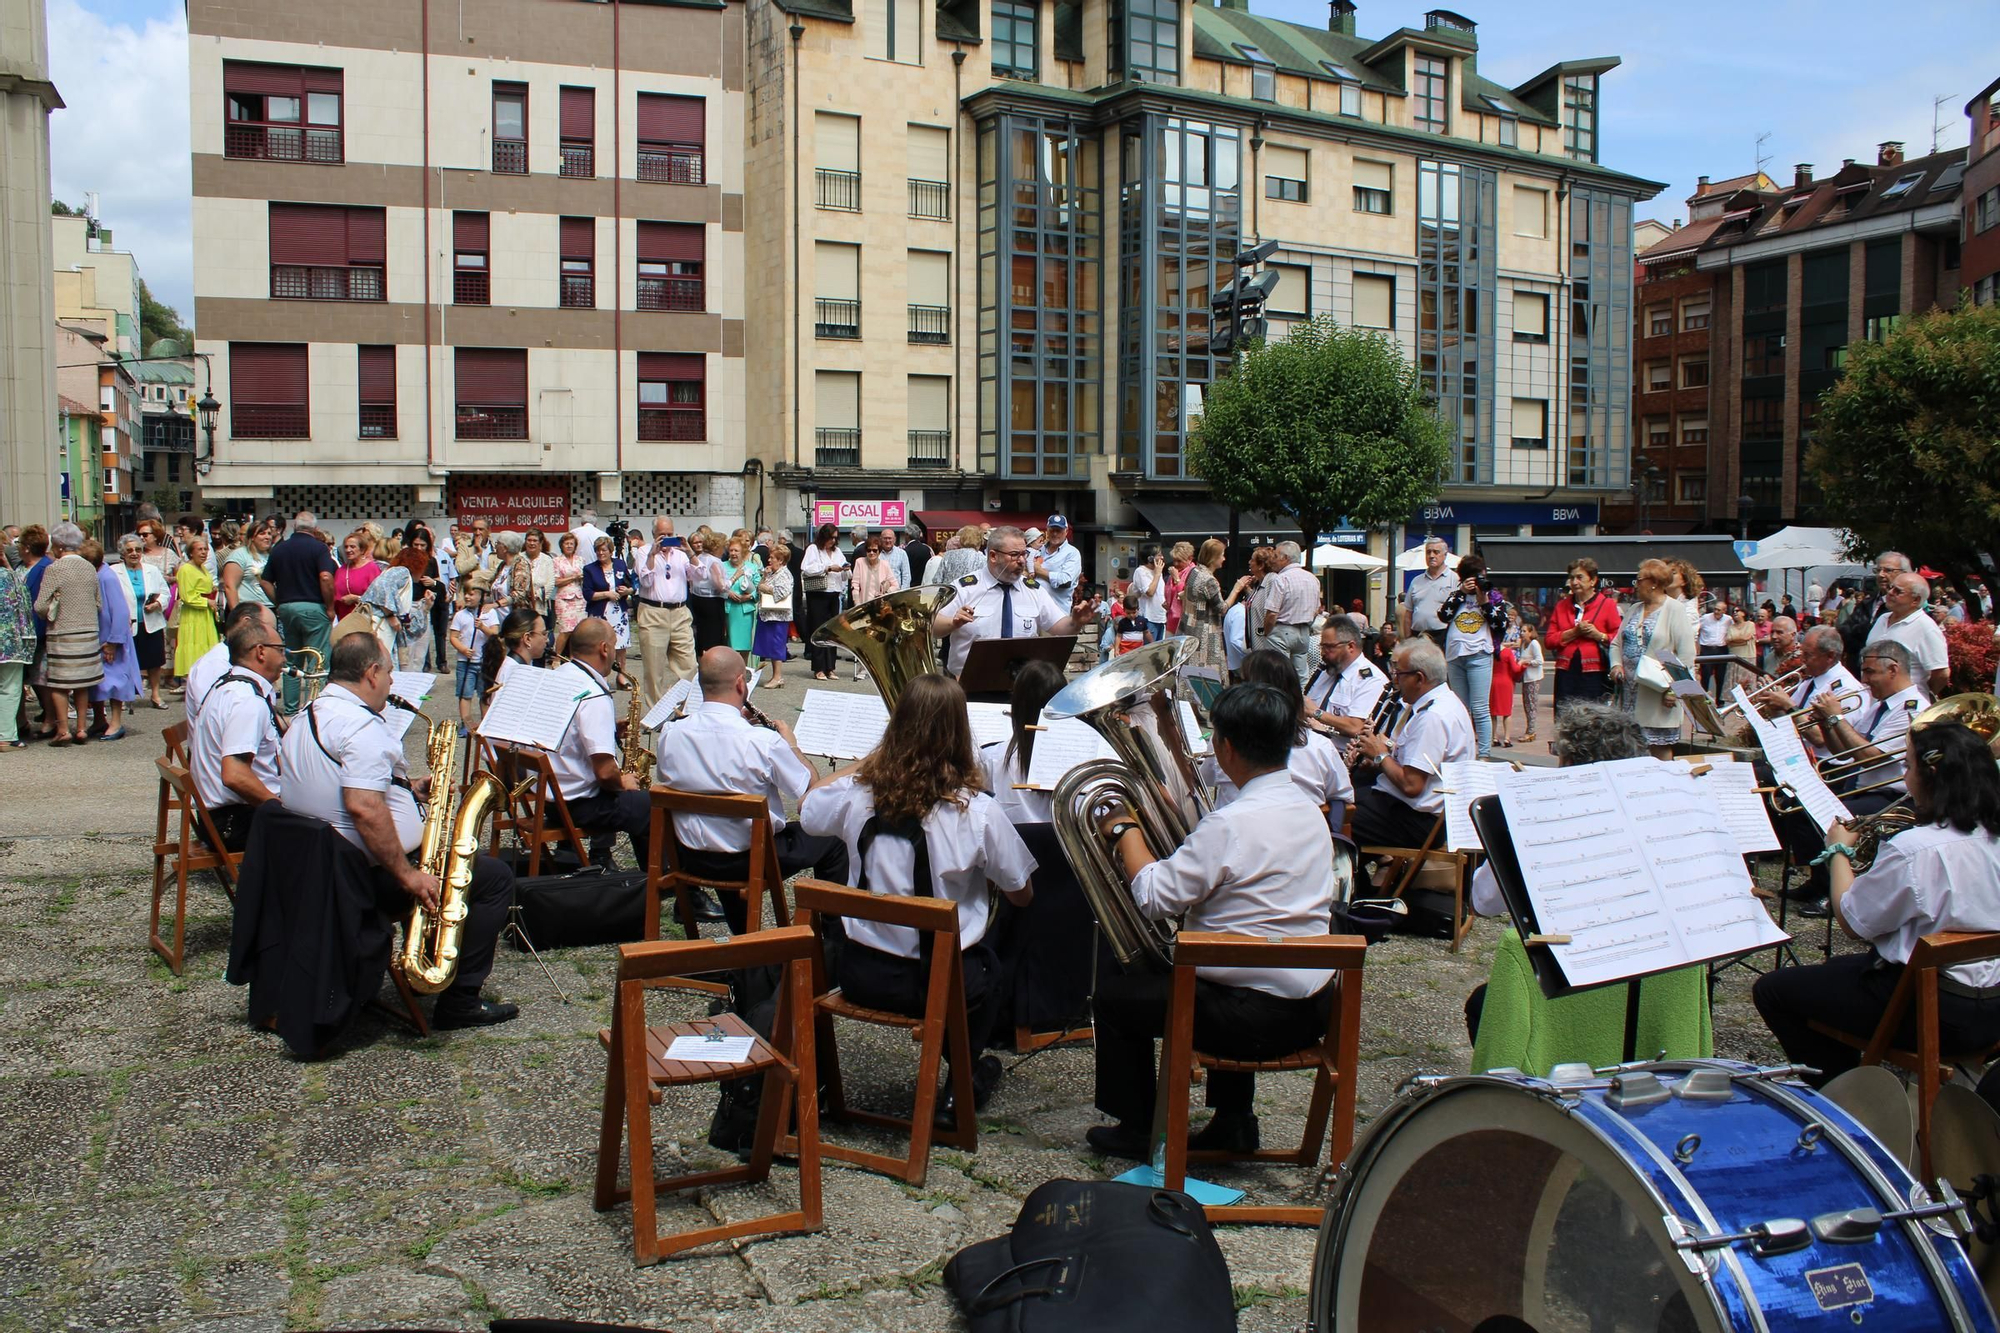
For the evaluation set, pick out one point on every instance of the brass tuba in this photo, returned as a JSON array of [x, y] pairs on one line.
[[428, 958], [1132, 701], [891, 635]]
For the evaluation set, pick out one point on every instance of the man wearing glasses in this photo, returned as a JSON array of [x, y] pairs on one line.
[[234, 745], [1005, 601], [1406, 798], [1904, 621]]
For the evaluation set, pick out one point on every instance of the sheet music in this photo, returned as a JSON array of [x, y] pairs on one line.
[[533, 706], [1061, 746], [684, 691], [1632, 861], [1732, 789], [990, 723], [1191, 728], [1464, 781], [1790, 765], [398, 720], [416, 686], [836, 725]]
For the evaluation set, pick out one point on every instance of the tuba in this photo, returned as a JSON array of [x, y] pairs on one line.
[[428, 958], [891, 635], [1131, 701]]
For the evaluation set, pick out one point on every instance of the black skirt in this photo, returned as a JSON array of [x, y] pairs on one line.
[[152, 648]]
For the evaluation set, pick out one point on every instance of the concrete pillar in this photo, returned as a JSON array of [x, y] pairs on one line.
[[28, 485]]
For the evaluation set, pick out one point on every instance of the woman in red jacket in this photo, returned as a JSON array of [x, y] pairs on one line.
[[1581, 628]]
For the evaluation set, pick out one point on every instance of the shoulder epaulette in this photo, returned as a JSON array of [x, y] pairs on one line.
[[1028, 580], [968, 580]]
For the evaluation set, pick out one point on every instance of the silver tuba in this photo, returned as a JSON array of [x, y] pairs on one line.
[[1131, 701]]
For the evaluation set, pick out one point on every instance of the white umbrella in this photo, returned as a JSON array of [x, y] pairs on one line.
[[1412, 560], [1330, 556], [1799, 548]]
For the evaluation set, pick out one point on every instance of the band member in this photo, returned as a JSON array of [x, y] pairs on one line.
[[521, 639], [1826, 676], [1346, 688], [1873, 734], [1404, 801], [716, 749], [1260, 866], [602, 800], [343, 765], [1006, 763], [212, 665], [916, 823], [1314, 763], [1941, 874], [1002, 601], [233, 745]]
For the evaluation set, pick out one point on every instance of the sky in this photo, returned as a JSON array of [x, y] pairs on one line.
[[1700, 81]]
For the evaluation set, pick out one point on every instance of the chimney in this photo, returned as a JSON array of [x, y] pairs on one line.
[[1677, 224], [1889, 153], [1846, 162], [1341, 19], [1802, 175], [1700, 184]]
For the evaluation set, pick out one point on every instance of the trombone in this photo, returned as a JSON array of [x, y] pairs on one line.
[[1789, 680], [310, 672], [1978, 712]]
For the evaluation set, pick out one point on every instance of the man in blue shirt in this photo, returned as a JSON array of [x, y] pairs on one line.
[[298, 578], [1060, 563]]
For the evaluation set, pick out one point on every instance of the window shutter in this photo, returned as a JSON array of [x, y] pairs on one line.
[[1293, 294], [308, 234], [664, 119], [469, 231], [1374, 175], [838, 271], [1373, 297], [930, 277], [264, 80], [493, 376], [837, 141], [930, 402], [367, 235], [377, 374], [1288, 163], [579, 238], [838, 396], [664, 242], [1531, 211], [268, 374], [1530, 419], [670, 365], [930, 153], [320, 80], [579, 113]]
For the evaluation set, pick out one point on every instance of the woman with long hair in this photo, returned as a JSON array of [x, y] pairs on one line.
[[522, 637], [1315, 764], [1655, 627], [1475, 618], [1005, 763], [1940, 874], [824, 573], [915, 811]]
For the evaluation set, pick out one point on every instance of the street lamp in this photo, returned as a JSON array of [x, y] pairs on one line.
[[1647, 476], [208, 410], [1744, 504]]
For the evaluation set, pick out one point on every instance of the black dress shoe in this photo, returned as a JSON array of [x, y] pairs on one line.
[[1120, 1140], [479, 1014], [1228, 1131], [986, 1072], [706, 908]]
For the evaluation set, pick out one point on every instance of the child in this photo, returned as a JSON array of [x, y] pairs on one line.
[[1506, 670], [1130, 627], [470, 629], [1531, 676]]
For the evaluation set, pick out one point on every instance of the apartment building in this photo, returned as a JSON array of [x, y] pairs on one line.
[[97, 294], [1981, 197], [470, 259], [1001, 225], [168, 394]]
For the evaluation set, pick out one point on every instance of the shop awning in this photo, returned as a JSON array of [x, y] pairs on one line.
[[1547, 559], [1207, 518], [951, 520]]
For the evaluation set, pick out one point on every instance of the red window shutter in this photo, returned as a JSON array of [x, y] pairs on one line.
[[309, 234], [670, 365], [493, 376], [469, 231], [665, 119], [367, 239], [255, 80], [268, 374], [579, 238], [664, 242], [378, 375], [579, 113], [320, 80]]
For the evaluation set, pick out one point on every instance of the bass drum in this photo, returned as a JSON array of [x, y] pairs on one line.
[[1507, 1204]]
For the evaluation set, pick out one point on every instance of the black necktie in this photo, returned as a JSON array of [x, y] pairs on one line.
[[1006, 610]]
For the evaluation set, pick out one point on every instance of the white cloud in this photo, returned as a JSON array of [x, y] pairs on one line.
[[124, 134]]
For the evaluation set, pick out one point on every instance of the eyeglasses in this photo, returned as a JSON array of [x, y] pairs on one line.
[[1400, 672], [1021, 554]]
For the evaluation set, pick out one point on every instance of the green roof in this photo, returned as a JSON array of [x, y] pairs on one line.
[[161, 372]]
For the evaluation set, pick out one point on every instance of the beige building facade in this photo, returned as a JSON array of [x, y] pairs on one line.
[[29, 473]]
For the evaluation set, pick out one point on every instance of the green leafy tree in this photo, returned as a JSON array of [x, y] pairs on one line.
[[63, 210], [1906, 453], [159, 320], [1331, 423]]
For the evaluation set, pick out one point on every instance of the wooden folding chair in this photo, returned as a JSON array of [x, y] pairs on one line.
[[1431, 853], [637, 1070], [532, 796], [763, 879], [1929, 1064], [194, 846], [943, 1023], [1335, 1058]]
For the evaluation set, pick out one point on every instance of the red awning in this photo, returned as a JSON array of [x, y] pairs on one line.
[[951, 520]]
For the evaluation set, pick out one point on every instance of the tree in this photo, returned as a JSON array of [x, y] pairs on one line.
[[1329, 424], [1905, 453], [159, 320], [62, 210]]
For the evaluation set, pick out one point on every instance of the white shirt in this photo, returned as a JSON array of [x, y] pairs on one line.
[[702, 584], [1293, 594], [1020, 807], [239, 718], [1234, 621], [1840, 680], [210, 667], [1926, 879], [473, 631], [1884, 723], [832, 563], [1261, 865], [1431, 733], [336, 744], [1468, 635], [1357, 690], [1917, 632], [969, 846], [1714, 630], [1315, 766], [1035, 612], [1151, 590], [593, 730], [714, 749], [1531, 660]]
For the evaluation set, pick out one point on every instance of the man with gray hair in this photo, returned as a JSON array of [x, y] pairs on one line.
[[1873, 735], [1864, 611], [1424, 599], [1004, 601], [1904, 620], [1403, 803], [1345, 689], [1824, 675], [1290, 602]]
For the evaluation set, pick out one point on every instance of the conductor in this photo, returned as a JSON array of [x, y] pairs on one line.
[[1004, 601]]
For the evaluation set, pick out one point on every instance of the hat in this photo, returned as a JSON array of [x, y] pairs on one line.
[[1058, 521], [1032, 534]]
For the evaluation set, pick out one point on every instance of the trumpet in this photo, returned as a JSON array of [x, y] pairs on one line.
[[1787, 681], [1979, 712]]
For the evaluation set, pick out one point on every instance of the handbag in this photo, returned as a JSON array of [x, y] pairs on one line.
[[769, 603], [1651, 674]]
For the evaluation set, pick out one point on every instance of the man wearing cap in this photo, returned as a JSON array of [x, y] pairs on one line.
[[1060, 564]]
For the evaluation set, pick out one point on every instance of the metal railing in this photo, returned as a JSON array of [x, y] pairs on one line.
[[492, 421], [671, 423], [579, 292], [670, 294], [470, 287], [930, 448], [579, 159], [839, 190], [837, 446], [378, 421], [836, 319], [930, 199], [930, 323], [675, 164], [510, 156], [282, 143], [315, 282], [268, 421]]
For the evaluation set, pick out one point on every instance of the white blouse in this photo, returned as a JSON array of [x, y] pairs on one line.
[[1926, 879]]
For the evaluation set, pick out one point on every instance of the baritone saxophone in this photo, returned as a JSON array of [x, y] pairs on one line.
[[428, 958]]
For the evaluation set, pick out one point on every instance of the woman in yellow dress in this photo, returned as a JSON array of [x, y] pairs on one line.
[[197, 620]]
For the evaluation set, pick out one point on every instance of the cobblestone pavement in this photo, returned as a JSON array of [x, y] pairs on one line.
[[167, 1167]]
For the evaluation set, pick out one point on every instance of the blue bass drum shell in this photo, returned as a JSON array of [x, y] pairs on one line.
[[1500, 1202]]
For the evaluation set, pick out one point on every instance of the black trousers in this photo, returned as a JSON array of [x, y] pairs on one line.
[[1380, 820], [711, 623], [890, 981], [1852, 993], [487, 900], [1574, 685], [1804, 838], [607, 814], [820, 608], [232, 824], [797, 851], [1130, 1009], [1712, 675]]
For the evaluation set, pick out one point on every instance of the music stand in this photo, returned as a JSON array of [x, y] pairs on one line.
[[990, 664]]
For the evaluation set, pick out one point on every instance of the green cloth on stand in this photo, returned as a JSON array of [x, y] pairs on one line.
[[1522, 1029]]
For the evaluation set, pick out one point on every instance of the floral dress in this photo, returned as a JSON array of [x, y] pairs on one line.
[[569, 597]]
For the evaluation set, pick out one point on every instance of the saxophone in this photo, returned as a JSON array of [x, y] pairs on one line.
[[633, 756], [428, 958]]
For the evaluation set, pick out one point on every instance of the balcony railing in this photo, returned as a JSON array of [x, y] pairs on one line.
[[660, 423], [670, 294], [839, 190], [263, 421], [470, 287], [510, 156], [579, 293], [282, 143], [837, 446], [675, 164], [930, 323], [930, 448], [378, 421], [930, 199], [836, 319], [313, 282], [492, 422], [579, 159]]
